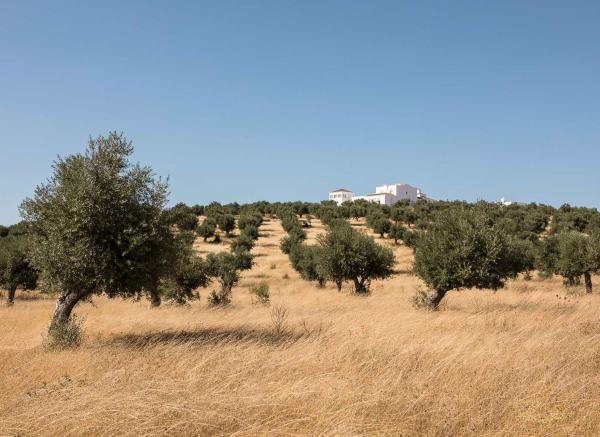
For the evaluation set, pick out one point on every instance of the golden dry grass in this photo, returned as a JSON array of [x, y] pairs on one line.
[[522, 361]]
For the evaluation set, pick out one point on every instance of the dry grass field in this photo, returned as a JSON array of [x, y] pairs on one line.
[[522, 361]]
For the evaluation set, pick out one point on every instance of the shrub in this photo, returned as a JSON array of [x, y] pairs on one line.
[[261, 292], [65, 335], [279, 317], [225, 268]]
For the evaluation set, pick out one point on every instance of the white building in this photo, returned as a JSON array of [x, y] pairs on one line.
[[384, 195], [340, 196]]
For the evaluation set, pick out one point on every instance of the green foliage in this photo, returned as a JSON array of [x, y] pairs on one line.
[[225, 268], [397, 232], [306, 261], [213, 209], [382, 226], [568, 218], [197, 209], [353, 256], [287, 243], [571, 254], [250, 231], [293, 227], [397, 213], [461, 250], [243, 242], [250, 219], [188, 274], [207, 228], [183, 216], [99, 226], [65, 335], [410, 238], [16, 271], [226, 223], [261, 293]]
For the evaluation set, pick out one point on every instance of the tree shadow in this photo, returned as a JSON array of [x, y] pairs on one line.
[[29, 296], [206, 336], [403, 272]]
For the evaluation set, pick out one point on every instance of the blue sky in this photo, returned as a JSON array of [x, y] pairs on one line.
[[282, 100]]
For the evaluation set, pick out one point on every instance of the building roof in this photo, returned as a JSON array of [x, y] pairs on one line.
[[342, 190]]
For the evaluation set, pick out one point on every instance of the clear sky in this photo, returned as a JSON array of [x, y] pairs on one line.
[[287, 100]]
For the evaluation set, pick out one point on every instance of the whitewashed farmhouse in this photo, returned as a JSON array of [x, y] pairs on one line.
[[340, 196], [384, 195]]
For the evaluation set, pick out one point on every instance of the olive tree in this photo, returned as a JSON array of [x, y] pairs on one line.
[[243, 242], [226, 223], [225, 267], [99, 225], [571, 254], [306, 261], [381, 226], [348, 255], [396, 232], [461, 250], [184, 217], [188, 273], [207, 228], [16, 270]]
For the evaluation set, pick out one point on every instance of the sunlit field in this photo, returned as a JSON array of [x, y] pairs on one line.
[[521, 361]]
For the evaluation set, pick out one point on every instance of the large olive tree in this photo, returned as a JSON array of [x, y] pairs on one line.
[[462, 250], [99, 226]]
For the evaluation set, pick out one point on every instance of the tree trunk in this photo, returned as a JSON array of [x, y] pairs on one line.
[[338, 284], [64, 307], [359, 286], [10, 298], [588, 282], [154, 297], [435, 298]]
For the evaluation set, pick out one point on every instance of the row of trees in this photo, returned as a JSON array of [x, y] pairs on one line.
[[100, 225], [461, 246]]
